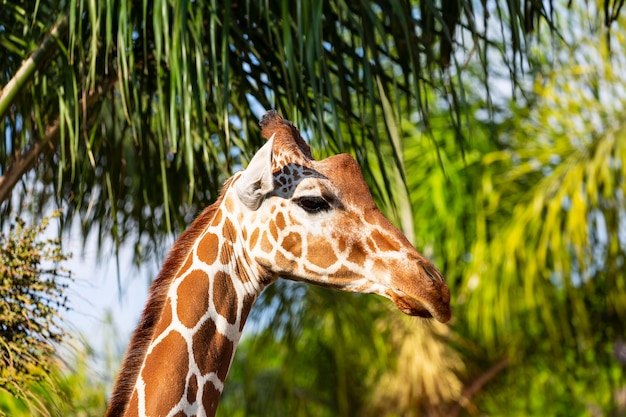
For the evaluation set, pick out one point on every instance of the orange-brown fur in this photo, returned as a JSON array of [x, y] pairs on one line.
[[144, 333]]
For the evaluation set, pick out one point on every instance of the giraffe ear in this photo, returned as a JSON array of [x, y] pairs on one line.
[[257, 179]]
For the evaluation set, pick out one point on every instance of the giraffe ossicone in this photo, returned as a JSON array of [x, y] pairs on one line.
[[286, 215]]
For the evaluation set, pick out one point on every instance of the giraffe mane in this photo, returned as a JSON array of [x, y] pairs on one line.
[[142, 336]]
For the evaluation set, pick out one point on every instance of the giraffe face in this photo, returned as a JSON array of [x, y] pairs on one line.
[[316, 221]]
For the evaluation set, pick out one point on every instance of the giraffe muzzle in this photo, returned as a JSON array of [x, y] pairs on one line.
[[438, 309], [424, 294]]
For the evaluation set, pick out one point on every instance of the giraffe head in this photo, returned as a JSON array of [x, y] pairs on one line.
[[316, 221]]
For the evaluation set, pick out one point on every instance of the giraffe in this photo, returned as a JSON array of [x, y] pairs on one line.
[[286, 215]]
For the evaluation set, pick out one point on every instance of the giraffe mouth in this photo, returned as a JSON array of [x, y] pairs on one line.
[[439, 309]]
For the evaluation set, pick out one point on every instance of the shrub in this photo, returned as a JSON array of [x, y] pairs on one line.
[[32, 297]]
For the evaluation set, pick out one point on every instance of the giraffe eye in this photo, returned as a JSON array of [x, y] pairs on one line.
[[313, 204]]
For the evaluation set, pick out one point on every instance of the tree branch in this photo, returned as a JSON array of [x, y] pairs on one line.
[[476, 386], [27, 159]]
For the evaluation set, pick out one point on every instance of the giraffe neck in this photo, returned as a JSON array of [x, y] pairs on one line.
[[205, 306]]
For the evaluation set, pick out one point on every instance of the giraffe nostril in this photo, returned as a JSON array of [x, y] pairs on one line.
[[434, 273]]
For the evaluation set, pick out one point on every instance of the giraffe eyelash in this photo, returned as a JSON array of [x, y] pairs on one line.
[[313, 204]]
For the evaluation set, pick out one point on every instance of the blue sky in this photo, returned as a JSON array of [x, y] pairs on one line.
[[94, 295]]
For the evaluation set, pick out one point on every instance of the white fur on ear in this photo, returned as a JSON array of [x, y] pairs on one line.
[[257, 179]]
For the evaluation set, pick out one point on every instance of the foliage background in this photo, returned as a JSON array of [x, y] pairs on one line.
[[490, 132]]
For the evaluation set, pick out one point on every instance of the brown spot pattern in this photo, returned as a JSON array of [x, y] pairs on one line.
[[230, 234], [165, 393], [266, 245], [165, 320], [186, 266], [274, 231], [226, 253], [210, 398], [380, 265], [208, 248], [219, 347], [370, 216], [384, 243], [192, 389], [193, 298], [246, 258], [280, 221], [228, 203], [225, 297], [341, 242], [283, 262], [371, 245], [133, 406], [357, 255], [248, 302], [239, 270], [319, 254], [345, 273], [293, 243], [254, 237], [218, 217]]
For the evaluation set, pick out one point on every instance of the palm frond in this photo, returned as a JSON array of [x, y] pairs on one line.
[[180, 85], [560, 237]]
